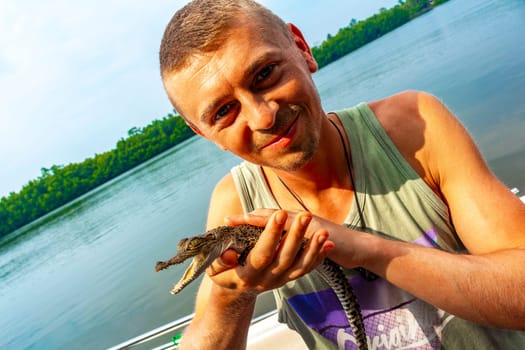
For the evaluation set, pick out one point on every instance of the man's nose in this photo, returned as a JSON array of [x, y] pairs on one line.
[[260, 113]]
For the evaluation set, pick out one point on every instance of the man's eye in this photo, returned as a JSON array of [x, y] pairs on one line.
[[224, 110], [264, 73]]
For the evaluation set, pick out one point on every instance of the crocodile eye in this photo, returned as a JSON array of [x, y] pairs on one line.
[[182, 242]]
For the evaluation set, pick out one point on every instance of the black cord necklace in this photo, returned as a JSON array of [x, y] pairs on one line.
[[364, 273], [349, 168]]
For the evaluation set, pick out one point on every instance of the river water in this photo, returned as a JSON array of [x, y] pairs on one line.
[[83, 277]]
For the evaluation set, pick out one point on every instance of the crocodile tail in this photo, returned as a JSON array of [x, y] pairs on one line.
[[336, 279]]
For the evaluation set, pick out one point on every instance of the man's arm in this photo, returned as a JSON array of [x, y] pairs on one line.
[[486, 286], [222, 318], [226, 297], [217, 310]]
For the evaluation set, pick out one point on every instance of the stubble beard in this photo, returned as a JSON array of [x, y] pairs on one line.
[[299, 154], [299, 158]]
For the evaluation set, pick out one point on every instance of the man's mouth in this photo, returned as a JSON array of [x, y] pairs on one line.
[[283, 139]]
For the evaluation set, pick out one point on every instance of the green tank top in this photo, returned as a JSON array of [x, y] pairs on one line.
[[396, 203]]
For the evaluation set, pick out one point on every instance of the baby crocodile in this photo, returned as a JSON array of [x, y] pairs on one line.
[[209, 246]]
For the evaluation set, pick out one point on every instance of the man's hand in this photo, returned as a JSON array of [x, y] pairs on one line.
[[277, 258]]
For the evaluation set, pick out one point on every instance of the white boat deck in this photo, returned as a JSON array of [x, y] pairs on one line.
[[268, 333]]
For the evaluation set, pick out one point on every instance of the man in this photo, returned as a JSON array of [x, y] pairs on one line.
[[395, 186]]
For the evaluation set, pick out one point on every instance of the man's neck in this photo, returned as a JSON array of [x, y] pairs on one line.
[[323, 183]]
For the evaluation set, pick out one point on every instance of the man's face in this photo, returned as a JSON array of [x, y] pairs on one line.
[[254, 96]]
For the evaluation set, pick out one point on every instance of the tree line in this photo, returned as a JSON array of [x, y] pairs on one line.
[[61, 184], [358, 34]]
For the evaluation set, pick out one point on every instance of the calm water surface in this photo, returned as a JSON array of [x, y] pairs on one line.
[[83, 279]]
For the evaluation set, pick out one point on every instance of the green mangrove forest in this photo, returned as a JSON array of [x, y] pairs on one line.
[[358, 34], [61, 184]]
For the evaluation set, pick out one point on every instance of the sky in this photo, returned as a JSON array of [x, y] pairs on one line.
[[76, 76]]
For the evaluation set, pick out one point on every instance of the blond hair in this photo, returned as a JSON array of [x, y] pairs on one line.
[[203, 25]]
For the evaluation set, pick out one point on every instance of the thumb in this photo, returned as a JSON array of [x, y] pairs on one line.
[[226, 261]]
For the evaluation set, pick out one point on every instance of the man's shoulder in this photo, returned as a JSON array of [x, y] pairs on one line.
[[224, 201], [405, 104], [407, 114], [225, 190], [225, 184], [400, 114], [406, 118]]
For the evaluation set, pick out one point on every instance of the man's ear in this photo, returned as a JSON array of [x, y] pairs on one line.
[[302, 45]]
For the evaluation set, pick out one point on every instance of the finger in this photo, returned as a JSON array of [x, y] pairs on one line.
[[320, 246], [229, 257], [262, 212], [293, 242], [258, 217], [263, 253], [313, 254], [226, 261]]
